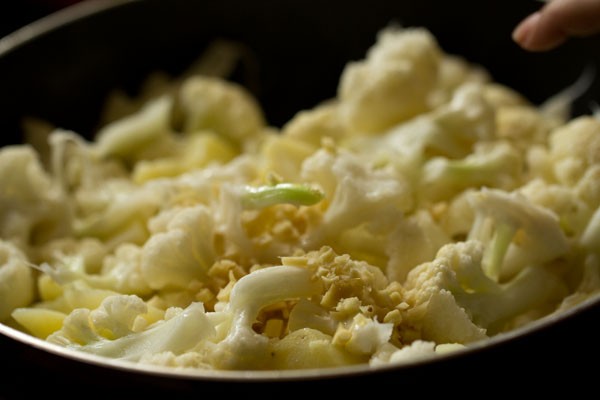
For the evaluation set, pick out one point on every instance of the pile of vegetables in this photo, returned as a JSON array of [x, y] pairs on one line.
[[423, 209]]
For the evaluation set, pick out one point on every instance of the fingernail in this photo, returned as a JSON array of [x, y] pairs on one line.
[[523, 33]]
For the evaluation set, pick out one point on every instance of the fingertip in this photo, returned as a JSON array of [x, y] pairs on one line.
[[524, 32], [534, 33]]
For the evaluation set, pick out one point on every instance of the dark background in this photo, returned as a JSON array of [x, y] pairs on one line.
[[304, 42]]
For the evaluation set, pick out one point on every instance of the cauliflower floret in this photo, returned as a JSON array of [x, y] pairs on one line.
[[453, 301], [32, 207], [453, 72], [86, 330], [117, 315], [242, 347], [210, 103], [393, 83], [588, 187], [467, 119], [589, 285], [522, 125], [355, 296], [283, 157], [456, 216], [500, 96], [575, 147], [311, 126], [359, 198], [434, 312], [416, 240], [17, 284], [492, 164], [118, 213], [590, 237], [124, 272], [183, 252], [120, 272], [48, 316], [572, 212], [127, 136], [91, 250], [450, 131], [518, 232]]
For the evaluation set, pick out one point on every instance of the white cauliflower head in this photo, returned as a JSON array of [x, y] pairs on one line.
[[17, 288], [393, 83]]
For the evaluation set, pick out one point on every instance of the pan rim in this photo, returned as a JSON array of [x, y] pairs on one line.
[[56, 20]]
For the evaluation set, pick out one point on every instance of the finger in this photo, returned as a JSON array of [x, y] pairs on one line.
[[556, 22]]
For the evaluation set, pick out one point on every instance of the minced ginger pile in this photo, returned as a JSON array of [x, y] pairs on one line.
[[423, 209]]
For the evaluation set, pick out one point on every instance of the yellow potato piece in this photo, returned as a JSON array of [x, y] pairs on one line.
[[48, 288], [309, 348], [39, 322], [200, 149]]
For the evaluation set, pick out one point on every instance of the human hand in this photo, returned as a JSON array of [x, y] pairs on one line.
[[556, 22]]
